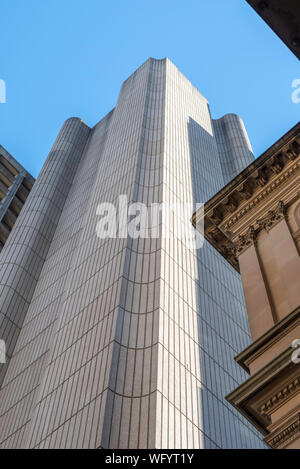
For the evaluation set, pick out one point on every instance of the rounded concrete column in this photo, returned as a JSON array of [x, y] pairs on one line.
[[25, 251]]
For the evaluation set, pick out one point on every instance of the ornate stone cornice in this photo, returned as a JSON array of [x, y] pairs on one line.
[[286, 434], [296, 235], [267, 340], [285, 393], [262, 196], [268, 388], [245, 241]]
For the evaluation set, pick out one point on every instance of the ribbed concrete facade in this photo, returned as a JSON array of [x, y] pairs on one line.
[[121, 342]]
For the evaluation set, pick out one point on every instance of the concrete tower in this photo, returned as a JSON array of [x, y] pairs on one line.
[[122, 342]]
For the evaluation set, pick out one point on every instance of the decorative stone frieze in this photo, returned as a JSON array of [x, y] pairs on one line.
[[273, 217], [245, 241]]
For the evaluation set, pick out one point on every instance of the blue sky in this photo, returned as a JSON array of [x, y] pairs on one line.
[[63, 58]]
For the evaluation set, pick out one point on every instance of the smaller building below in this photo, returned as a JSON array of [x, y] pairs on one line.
[[15, 185]]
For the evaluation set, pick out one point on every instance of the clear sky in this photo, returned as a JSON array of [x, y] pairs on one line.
[[63, 58]]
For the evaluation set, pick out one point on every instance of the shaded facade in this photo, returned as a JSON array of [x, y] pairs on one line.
[[15, 185], [121, 342]]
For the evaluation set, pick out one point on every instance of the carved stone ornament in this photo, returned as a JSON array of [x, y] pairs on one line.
[[276, 166], [287, 435], [273, 217]]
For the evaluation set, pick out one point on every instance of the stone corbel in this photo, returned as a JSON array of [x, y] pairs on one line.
[[277, 165], [230, 204], [286, 434]]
